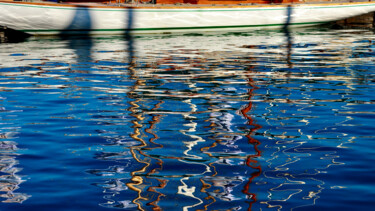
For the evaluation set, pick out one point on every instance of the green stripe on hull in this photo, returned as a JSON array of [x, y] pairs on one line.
[[168, 29]]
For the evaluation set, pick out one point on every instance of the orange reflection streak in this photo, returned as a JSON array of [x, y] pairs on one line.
[[136, 180], [155, 120], [203, 190], [162, 183], [137, 183], [251, 159]]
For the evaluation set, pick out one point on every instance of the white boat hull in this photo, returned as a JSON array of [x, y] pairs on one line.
[[53, 19]]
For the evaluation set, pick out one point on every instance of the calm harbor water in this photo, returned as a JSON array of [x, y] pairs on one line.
[[239, 121]]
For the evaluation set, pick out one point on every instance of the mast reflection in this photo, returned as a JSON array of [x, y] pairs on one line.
[[151, 165], [251, 160]]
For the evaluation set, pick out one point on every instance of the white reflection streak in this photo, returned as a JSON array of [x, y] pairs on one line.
[[193, 126], [10, 181], [289, 178], [191, 144], [185, 190], [312, 193], [9, 178]]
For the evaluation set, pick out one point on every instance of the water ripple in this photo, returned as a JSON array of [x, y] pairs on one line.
[[255, 121]]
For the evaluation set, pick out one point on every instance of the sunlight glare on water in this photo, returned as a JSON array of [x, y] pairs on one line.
[[238, 121]]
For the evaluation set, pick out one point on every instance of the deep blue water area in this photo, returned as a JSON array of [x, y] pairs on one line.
[[262, 120]]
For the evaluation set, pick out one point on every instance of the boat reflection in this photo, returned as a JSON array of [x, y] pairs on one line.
[[205, 134], [195, 165]]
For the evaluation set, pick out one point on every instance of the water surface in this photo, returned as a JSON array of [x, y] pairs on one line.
[[240, 121]]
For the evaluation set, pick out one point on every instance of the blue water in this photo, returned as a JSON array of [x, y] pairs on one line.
[[239, 121]]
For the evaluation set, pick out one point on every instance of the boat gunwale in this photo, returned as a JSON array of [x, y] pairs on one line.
[[188, 7]]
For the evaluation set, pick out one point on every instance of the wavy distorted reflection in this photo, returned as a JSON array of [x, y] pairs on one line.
[[295, 160], [137, 183], [201, 131], [210, 150], [10, 178], [186, 151], [248, 121], [252, 159]]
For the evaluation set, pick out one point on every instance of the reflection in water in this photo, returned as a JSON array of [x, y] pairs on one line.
[[166, 123], [209, 181], [82, 48], [10, 179], [128, 36], [204, 181], [187, 140], [288, 36], [252, 159]]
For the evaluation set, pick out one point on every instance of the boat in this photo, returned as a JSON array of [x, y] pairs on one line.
[[52, 18]]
